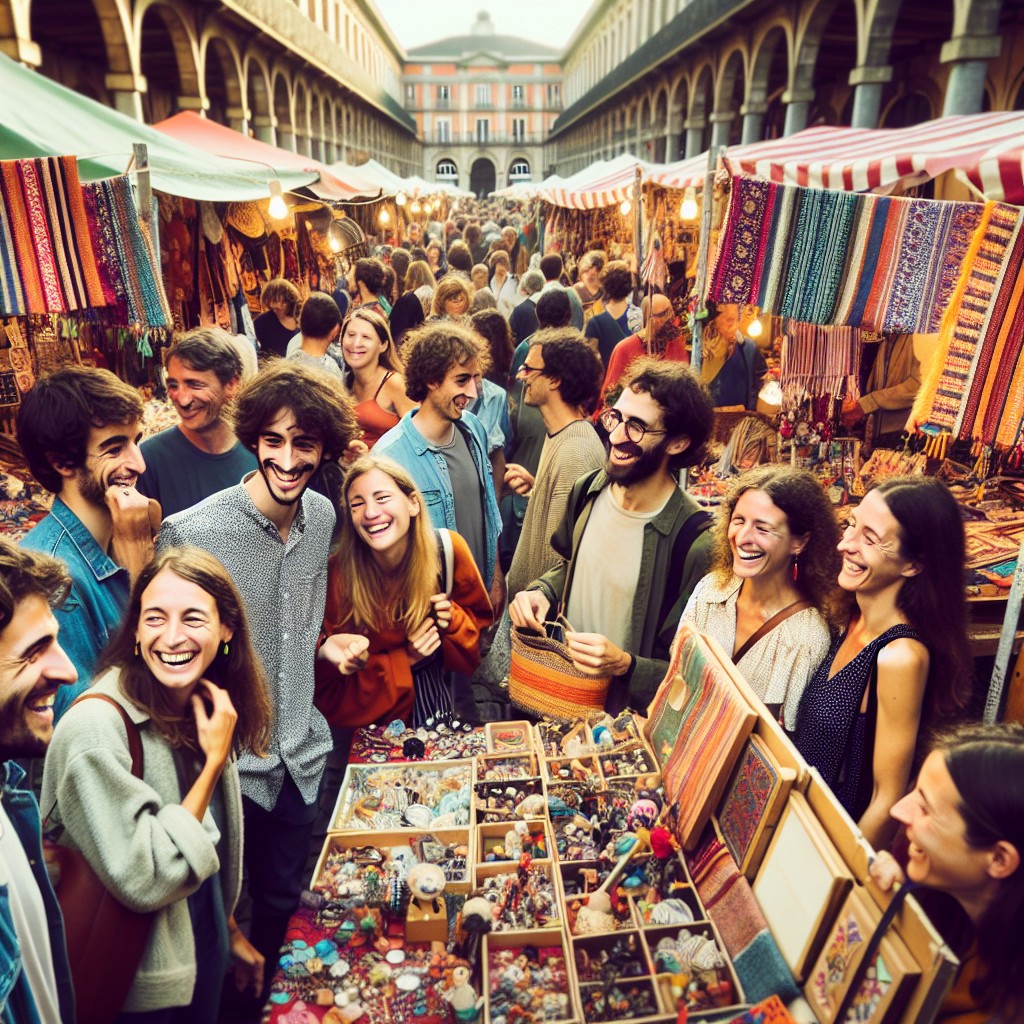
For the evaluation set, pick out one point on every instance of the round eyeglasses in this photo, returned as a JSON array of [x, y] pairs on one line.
[[635, 429]]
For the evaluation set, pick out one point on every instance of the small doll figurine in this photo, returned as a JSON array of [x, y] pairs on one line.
[[462, 996], [427, 917]]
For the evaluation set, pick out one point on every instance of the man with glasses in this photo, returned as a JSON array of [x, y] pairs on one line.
[[561, 378], [633, 543], [660, 338]]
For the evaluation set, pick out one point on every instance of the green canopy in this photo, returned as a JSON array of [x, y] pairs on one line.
[[39, 117]]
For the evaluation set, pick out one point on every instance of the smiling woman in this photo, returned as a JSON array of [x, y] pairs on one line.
[[396, 618], [169, 842]]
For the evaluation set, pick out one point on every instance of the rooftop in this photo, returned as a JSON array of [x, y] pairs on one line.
[[482, 38]]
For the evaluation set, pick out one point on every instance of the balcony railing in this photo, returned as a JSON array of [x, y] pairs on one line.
[[442, 103], [493, 138]]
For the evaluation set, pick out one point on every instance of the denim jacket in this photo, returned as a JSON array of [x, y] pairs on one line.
[[17, 1004], [426, 464], [98, 599]]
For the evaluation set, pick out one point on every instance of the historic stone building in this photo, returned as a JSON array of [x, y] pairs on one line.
[[321, 77], [484, 104], [667, 78]]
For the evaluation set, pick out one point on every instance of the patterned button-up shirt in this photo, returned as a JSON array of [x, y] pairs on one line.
[[284, 587]]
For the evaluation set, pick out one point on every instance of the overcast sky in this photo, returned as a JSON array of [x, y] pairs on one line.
[[415, 22]]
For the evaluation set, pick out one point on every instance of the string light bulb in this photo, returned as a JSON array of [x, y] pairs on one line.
[[277, 207], [384, 217], [400, 199], [334, 237], [688, 209], [415, 207], [755, 328], [625, 207]]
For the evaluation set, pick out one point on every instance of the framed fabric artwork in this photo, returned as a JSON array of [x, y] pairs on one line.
[[753, 804], [697, 725], [881, 986], [800, 885]]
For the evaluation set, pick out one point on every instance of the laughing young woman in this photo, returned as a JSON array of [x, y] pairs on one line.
[[394, 624], [184, 670], [903, 662], [768, 594]]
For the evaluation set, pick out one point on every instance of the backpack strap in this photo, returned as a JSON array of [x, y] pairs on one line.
[[446, 554], [698, 522]]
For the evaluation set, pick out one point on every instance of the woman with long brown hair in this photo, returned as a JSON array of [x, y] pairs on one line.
[[184, 670], [397, 617]]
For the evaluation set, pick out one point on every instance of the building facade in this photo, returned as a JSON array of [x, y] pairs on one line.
[[320, 77], [484, 104], [665, 79]]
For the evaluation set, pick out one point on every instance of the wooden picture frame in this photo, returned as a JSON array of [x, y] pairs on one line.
[[801, 884], [697, 725], [753, 804], [881, 989]]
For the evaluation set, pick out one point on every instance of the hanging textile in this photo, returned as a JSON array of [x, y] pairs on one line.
[[829, 257], [48, 259], [127, 252], [818, 361], [940, 402]]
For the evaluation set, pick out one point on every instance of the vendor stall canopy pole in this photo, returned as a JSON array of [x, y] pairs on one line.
[[700, 285]]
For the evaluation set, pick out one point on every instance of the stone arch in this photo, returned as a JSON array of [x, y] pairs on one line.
[[875, 37], [769, 75], [643, 127], [282, 98], [171, 72], [976, 17], [660, 126], [910, 108], [224, 95], [301, 118], [698, 122], [730, 92], [259, 102], [819, 90], [678, 106], [810, 30]]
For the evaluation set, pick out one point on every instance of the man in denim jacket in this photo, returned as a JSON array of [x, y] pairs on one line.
[[35, 981], [79, 429]]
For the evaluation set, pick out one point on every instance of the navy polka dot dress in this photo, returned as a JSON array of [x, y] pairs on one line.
[[831, 731]]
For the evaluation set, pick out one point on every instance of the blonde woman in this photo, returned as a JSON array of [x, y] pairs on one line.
[[396, 619], [453, 298]]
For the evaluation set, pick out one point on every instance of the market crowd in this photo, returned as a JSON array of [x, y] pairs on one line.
[[345, 528]]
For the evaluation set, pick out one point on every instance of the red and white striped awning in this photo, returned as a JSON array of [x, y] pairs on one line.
[[611, 181], [987, 148]]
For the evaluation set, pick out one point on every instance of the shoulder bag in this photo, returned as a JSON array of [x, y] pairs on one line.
[[105, 939]]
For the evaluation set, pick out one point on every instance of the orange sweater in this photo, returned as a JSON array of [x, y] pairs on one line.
[[382, 689]]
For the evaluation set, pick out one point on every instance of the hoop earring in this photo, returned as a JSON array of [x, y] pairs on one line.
[[225, 649], [136, 648]]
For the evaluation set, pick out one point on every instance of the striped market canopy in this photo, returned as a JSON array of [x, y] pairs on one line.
[[988, 149]]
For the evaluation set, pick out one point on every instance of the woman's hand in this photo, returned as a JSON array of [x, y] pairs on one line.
[[349, 652], [423, 641], [248, 962], [885, 872], [215, 729], [442, 611]]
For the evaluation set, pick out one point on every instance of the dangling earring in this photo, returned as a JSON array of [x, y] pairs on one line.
[[796, 567], [136, 648], [225, 649]]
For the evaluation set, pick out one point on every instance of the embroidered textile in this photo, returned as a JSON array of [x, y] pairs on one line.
[[818, 361], [747, 800], [737, 272], [12, 298]]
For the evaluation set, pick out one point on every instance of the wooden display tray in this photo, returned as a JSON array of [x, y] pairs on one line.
[[400, 838], [493, 834], [538, 939], [509, 737], [481, 872], [483, 762]]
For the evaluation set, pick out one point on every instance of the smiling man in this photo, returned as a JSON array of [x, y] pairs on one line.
[[201, 455], [272, 533], [33, 669], [79, 429], [625, 609]]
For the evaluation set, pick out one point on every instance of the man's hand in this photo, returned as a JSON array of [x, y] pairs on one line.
[[520, 479], [136, 520], [851, 413], [529, 609], [348, 652], [596, 654]]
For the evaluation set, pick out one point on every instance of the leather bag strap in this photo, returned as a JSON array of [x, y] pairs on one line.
[[766, 627], [134, 739]]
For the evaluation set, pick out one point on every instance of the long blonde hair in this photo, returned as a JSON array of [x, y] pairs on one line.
[[380, 597]]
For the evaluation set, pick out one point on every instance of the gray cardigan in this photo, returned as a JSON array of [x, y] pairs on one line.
[[148, 850]]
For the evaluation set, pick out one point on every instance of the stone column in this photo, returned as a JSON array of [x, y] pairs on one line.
[[753, 122], [798, 106], [22, 50], [721, 126], [194, 103], [239, 119], [694, 138], [265, 129], [126, 91], [286, 137], [969, 56], [867, 85]]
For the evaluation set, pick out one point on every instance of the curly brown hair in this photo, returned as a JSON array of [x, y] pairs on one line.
[[450, 287], [809, 513], [432, 350]]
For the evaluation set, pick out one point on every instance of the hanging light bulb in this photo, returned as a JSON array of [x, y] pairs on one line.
[[688, 210], [277, 208], [415, 207], [400, 199], [334, 239], [384, 217], [755, 328], [625, 207]]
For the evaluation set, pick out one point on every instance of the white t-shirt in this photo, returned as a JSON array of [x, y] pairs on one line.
[[607, 570], [30, 924]]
